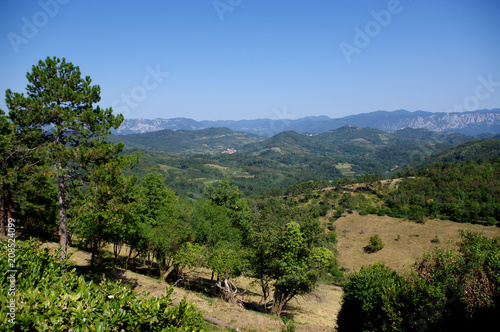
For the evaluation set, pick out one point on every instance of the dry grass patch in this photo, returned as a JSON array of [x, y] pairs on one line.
[[354, 231], [314, 312]]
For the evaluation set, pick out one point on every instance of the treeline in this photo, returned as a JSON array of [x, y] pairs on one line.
[[462, 192], [467, 191]]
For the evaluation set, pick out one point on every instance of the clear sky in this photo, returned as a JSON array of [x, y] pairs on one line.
[[248, 59]]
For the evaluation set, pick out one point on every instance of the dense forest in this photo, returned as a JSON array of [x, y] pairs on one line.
[[255, 214]]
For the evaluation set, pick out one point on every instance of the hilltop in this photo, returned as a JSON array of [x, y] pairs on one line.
[[210, 141]]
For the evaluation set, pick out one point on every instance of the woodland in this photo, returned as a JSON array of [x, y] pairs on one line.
[[256, 213]]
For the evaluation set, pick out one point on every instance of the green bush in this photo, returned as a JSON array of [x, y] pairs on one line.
[[332, 238], [375, 245], [449, 290], [48, 297], [379, 299]]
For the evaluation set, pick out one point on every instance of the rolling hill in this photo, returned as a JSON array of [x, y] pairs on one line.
[[211, 140], [192, 159]]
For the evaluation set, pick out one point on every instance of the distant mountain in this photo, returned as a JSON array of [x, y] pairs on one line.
[[206, 141], [469, 123]]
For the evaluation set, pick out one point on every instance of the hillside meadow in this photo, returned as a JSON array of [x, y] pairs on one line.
[[405, 241]]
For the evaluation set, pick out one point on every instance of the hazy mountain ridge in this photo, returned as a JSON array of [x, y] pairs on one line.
[[464, 123], [469, 123]]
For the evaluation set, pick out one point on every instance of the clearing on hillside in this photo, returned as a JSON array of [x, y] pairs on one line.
[[404, 241]]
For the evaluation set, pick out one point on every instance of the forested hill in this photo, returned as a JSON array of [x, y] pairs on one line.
[[350, 140], [471, 150], [291, 158], [211, 140], [344, 141]]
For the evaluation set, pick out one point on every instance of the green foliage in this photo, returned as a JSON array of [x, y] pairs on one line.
[[164, 224], [298, 266], [378, 299], [26, 184], [205, 141], [66, 132], [226, 260], [474, 272], [465, 192], [190, 255], [51, 298], [105, 205], [449, 290], [435, 240], [375, 244]]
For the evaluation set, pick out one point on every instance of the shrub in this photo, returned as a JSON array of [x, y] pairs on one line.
[[331, 237], [51, 298], [435, 240], [449, 290], [375, 245]]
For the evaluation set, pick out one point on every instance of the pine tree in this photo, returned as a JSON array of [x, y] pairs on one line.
[[57, 115], [25, 183], [7, 181]]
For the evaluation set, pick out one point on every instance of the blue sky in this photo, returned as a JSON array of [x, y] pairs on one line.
[[248, 59]]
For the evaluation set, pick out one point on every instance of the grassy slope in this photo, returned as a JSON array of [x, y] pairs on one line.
[[318, 311], [414, 239], [315, 312]]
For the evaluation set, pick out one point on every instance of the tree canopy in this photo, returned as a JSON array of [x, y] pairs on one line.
[[57, 118]]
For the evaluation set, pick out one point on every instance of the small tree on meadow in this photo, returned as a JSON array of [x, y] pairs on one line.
[[375, 245]]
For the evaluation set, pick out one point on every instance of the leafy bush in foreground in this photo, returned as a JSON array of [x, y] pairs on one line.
[[449, 290], [49, 298]]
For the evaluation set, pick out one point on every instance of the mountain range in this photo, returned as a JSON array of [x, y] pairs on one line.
[[468, 123]]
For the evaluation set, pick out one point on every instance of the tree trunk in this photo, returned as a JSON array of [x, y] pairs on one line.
[[94, 254], [278, 303], [128, 257], [167, 272], [280, 299], [230, 292], [264, 285], [117, 249], [63, 222]]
